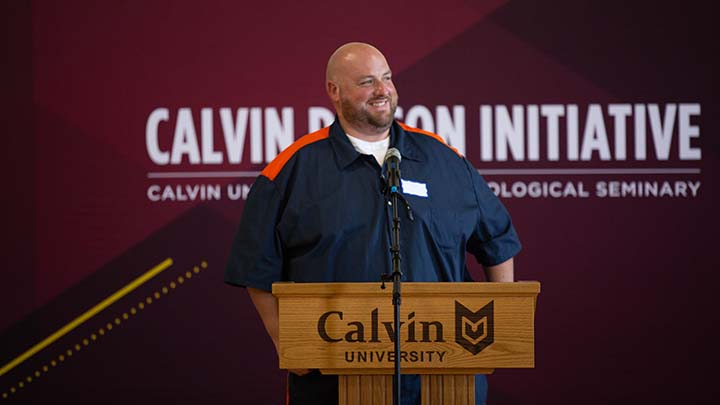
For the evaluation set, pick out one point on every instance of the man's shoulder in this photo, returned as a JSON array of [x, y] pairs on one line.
[[427, 139], [274, 168]]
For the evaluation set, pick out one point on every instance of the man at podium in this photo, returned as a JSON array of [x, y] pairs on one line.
[[319, 212]]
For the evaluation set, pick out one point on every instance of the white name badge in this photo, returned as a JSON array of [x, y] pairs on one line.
[[414, 188]]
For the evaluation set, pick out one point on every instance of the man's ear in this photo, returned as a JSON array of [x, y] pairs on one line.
[[333, 91]]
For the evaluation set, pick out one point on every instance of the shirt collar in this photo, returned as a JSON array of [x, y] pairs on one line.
[[345, 153], [405, 143]]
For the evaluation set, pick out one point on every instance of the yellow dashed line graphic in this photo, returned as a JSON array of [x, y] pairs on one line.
[[93, 337], [87, 315]]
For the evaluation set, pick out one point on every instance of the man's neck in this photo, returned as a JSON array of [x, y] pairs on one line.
[[366, 135]]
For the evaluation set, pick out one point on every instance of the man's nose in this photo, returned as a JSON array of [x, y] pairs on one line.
[[381, 88]]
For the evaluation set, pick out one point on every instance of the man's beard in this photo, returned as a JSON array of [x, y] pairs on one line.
[[360, 117]]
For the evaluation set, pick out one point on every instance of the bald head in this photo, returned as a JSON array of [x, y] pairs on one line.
[[359, 84], [347, 56]]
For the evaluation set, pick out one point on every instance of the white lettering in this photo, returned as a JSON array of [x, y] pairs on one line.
[[486, 154], [234, 134], [420, 117], [452, 129], [153, 193], [694, 187], [552, 114], [184, 192], [620, 112], [652, 189], [256, 135], [595, 136], [533, 133], [537, 189], [509, 133], [505, 132], [238, 191], [640, 147], [151, 136], [662, 132], [687, 131], [185, 139], [572, 132], [318, 118], [209, 154], [278, 133]]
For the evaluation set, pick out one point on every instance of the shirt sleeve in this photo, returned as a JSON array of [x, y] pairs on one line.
[[494, 239], [256, 258]]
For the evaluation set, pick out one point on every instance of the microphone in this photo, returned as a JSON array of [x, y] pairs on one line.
[[392, 163]]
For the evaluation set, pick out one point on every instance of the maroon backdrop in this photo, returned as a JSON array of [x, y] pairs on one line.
[[626, 312]]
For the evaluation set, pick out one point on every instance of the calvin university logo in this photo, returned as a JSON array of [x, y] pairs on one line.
[[474, 330]]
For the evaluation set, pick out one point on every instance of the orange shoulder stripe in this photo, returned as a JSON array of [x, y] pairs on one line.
[[271, 170], [430, 134]]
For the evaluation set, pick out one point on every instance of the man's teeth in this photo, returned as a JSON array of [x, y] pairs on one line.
[[378, 103]]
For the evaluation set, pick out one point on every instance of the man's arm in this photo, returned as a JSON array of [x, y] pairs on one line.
[[501, 273], [267, 307]]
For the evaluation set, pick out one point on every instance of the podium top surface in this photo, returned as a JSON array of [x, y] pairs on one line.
[[520, 288]]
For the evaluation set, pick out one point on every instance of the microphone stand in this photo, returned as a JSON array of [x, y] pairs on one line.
[[395, 276]]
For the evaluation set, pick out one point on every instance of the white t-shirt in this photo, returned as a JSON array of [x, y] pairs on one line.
[[377, 148]]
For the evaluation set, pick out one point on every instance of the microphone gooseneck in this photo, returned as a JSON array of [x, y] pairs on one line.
[[392, 165]]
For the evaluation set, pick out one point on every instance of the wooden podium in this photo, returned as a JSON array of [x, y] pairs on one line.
[[449, 333]]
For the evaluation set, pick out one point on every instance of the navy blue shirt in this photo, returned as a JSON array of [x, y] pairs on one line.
[[319, 213]]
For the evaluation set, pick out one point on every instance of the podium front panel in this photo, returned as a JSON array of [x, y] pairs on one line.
[[444, 326]]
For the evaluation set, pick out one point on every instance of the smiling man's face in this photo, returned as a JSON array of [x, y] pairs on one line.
[[363, 92]]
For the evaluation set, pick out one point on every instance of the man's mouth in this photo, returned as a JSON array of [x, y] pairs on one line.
[[379, 103]]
